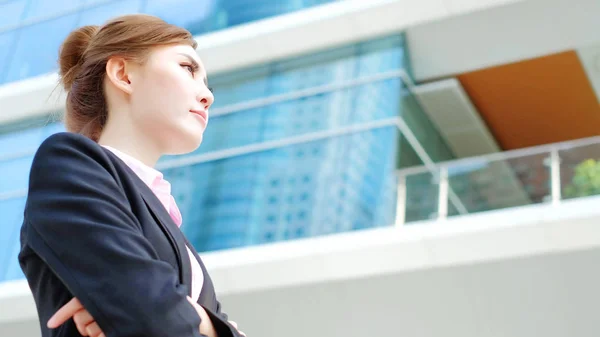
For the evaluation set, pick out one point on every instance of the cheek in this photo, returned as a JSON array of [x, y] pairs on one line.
[[162, 94]]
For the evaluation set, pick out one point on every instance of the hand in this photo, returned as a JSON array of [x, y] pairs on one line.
[[206, 326], [83, 320]]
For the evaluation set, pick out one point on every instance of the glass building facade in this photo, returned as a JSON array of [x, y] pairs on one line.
[[31, 30], [295, 148]]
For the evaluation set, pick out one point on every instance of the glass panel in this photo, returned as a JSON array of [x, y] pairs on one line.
[[38, 9], [19, 141], [328, 186], [483, 186], [100, 14], [206, 16], [301, 116], [580, 171], [11, 13], [12, 216], [195, 16], [381, 55], [7, 41], [14, 173], [36, 52], [240, 86], [308, 71], [424, 130], [17, 148], [422, 191]]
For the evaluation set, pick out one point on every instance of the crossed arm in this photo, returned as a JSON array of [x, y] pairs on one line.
[[87, 326], [67, 170]]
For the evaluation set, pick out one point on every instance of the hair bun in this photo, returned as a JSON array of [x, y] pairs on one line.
[[71, 53]]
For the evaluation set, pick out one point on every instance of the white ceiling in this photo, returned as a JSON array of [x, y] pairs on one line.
[[502, 34]]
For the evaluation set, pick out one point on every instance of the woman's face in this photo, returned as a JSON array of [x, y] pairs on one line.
[[169, 98]]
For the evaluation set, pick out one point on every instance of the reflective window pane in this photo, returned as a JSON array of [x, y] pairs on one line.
[[102, 13], [39, 9], [14, 173], [12, 216], [191, 14], [11, 13], [36, 52], [28, 139], [210, 15], [328, 186], [580, 171], [6, 49]]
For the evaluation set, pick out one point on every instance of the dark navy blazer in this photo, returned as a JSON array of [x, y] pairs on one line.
[[93, 230]]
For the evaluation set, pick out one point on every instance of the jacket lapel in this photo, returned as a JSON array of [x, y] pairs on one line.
[[163, 219], [170, 229]]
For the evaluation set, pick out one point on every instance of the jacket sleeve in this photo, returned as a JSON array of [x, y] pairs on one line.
[[79, 222], [220, 321]]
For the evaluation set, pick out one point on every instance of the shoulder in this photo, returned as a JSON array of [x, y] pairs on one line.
[[68, 152], [68, 141]]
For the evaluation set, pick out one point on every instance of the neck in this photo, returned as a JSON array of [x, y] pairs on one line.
[[124, 136]]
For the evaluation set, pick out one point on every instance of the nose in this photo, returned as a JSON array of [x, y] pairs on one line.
[[205, 97]]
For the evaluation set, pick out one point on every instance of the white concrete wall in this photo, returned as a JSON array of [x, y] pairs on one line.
[[490, 274]]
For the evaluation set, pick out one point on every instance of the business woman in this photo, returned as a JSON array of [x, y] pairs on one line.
[[101, 229]]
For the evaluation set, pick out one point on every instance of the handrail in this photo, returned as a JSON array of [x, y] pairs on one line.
[[511, 154]]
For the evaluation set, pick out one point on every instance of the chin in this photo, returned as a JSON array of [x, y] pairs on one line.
[[185, 145]]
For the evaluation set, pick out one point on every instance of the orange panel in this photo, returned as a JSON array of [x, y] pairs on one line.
[[533, 102]]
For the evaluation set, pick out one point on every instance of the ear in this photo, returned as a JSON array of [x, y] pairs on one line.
[[118, 73]]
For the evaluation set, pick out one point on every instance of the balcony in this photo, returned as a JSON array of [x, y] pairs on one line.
[[545, 174]]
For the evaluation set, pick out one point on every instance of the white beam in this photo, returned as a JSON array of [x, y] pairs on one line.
[[500, 35]]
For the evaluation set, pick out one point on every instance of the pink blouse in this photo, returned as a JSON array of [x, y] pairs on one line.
[[162, 189]]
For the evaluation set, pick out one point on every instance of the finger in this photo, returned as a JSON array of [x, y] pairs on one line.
[[241, 333], [94, 330], [83, 317], [102, 335], [234, 324], [63, 314]]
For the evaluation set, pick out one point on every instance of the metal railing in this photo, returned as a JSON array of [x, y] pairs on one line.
[[533, 175]]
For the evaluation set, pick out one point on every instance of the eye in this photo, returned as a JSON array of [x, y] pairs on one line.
[[189, 68]]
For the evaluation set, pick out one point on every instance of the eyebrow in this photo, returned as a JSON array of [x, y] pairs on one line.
[[195, 64]]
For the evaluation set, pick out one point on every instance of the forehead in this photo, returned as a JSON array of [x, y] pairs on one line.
[[176, 51]]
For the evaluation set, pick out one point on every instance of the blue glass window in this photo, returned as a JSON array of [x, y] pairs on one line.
[[36, 51], [16, 152], [12, 215], [39, 9], [13, 175], [11, 13], [27, 139], [6, 47], [195, 16], [102, 13], [290, 192], [206, 16]]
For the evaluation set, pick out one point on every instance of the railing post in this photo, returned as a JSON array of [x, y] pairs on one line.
[[401, 201], [443, 193], [555, 187]]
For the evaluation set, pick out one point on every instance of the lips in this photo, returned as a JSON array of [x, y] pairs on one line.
[[201, 113]]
